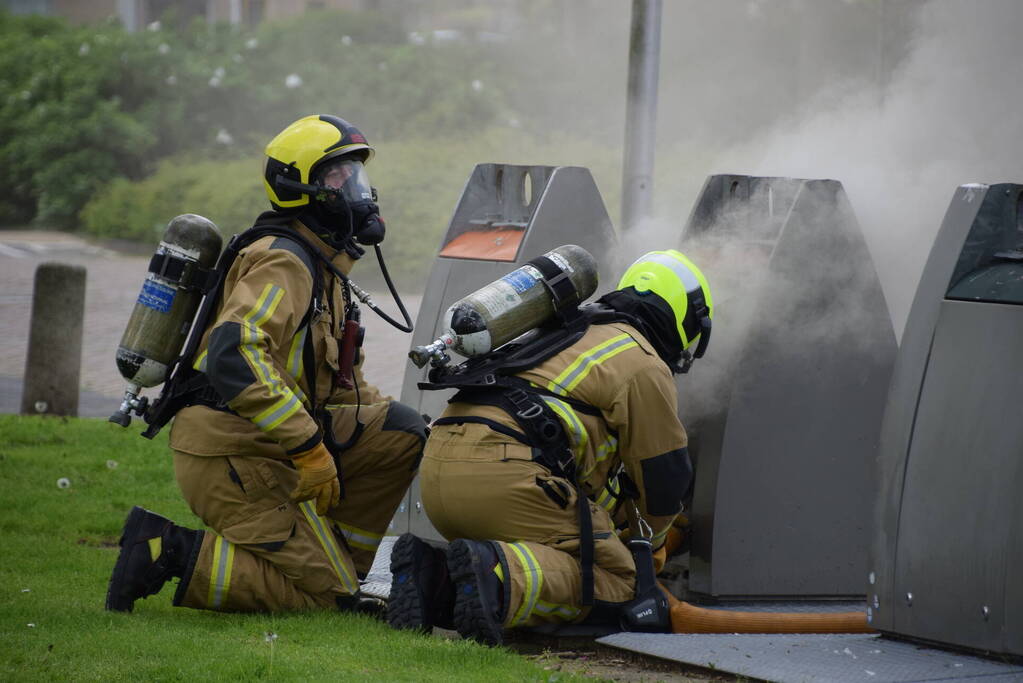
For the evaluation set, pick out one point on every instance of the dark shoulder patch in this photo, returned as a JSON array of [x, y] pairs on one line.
[[226, 368], [296, 249], [666, 481]]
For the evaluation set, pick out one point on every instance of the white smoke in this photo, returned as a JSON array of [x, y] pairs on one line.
[[950, 114]]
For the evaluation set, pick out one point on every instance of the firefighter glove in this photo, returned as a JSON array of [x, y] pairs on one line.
[[317, 478]]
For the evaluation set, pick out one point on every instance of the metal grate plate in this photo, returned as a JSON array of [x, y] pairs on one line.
[[817, 658], [378, 581]]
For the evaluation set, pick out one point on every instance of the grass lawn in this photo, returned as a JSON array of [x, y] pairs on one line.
[[58, 545]]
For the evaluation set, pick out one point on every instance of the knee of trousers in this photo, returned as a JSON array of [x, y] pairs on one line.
[[403, 418]]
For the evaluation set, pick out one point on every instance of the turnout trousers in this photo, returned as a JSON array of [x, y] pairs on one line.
[[270, 554], [481, 485]]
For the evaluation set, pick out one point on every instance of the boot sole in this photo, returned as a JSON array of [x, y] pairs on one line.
[[473, 610], [406, 606], [132, 526]]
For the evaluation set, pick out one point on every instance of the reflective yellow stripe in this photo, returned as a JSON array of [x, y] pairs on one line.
[[576, 432], [581, 366], [534, 581], [295, 367], [200, 362], [604, 451], [657, 539], [563, 612], [220, 575], [278, 412], [334, 555], [288, 402], [360, 538], [608, 497], [499, 570]]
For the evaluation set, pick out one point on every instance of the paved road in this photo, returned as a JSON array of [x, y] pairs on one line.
[[113, 279]]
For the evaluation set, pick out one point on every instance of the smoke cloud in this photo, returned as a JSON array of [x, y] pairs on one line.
[[900, 140]]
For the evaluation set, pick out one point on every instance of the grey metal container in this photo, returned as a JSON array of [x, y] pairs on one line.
[[947, 545], [784, 411]]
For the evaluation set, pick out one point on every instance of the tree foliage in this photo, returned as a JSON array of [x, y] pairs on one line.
[[86, 106]]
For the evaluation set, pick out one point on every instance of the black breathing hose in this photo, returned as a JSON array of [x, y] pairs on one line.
[[364, 297], [407, 327]]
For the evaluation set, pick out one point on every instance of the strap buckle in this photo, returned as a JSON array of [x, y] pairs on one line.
[[528, 409], [568, 464], [533, 410]]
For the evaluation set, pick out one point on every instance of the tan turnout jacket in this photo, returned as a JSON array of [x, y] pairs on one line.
[[615, 369], [253, 354]]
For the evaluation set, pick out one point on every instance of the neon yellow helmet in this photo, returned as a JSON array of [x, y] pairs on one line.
[[295, 154], [676, 280]]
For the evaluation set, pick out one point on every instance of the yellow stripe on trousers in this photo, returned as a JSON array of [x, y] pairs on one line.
[[534, 581], [362, 539], [562, 612], [220, 573], [326, 537]]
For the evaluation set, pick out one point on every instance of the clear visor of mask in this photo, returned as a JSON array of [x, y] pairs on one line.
[[349, 176]]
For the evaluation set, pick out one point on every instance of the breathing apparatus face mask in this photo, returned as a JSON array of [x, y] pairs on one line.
[[346, 198]]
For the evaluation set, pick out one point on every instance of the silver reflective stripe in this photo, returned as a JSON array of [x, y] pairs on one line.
[[223, 558], [295, 362], [533, 580], [681, 270], [564, 612], [279, 411], [360, 538], [576, 431], [326, 538], [594, 357]]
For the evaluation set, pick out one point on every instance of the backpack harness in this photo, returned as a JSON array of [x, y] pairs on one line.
[[187, 386], [489, 380]]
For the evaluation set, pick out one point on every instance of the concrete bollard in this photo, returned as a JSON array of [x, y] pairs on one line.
[[54, 358]]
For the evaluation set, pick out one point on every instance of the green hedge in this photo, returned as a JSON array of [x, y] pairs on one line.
[[228, 193]]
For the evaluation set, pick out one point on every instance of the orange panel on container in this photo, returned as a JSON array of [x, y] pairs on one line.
[[485, 245]]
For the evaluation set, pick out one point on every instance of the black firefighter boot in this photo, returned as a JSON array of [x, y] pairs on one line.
[[422, 595], [153, 551], [481, 597]]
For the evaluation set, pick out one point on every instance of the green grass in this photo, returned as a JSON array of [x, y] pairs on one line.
[[58, 545]]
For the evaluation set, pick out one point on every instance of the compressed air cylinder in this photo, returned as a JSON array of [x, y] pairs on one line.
[[159, 324], [514, 304]]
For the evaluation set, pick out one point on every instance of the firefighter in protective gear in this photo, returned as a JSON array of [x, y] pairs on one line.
[[296, 472], [518, 552]]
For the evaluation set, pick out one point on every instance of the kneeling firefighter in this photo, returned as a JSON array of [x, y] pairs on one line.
[[280, 447], [547, 444]]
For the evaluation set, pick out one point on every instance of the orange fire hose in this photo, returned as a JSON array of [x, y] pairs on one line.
[[688, 618]]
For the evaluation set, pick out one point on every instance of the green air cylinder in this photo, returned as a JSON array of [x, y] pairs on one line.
[[179, 272], [514, 304]]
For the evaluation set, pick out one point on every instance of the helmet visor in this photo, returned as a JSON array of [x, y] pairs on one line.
[[347, 175]]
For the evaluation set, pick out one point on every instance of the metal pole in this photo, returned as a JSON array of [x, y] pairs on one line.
[[641, 113]]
